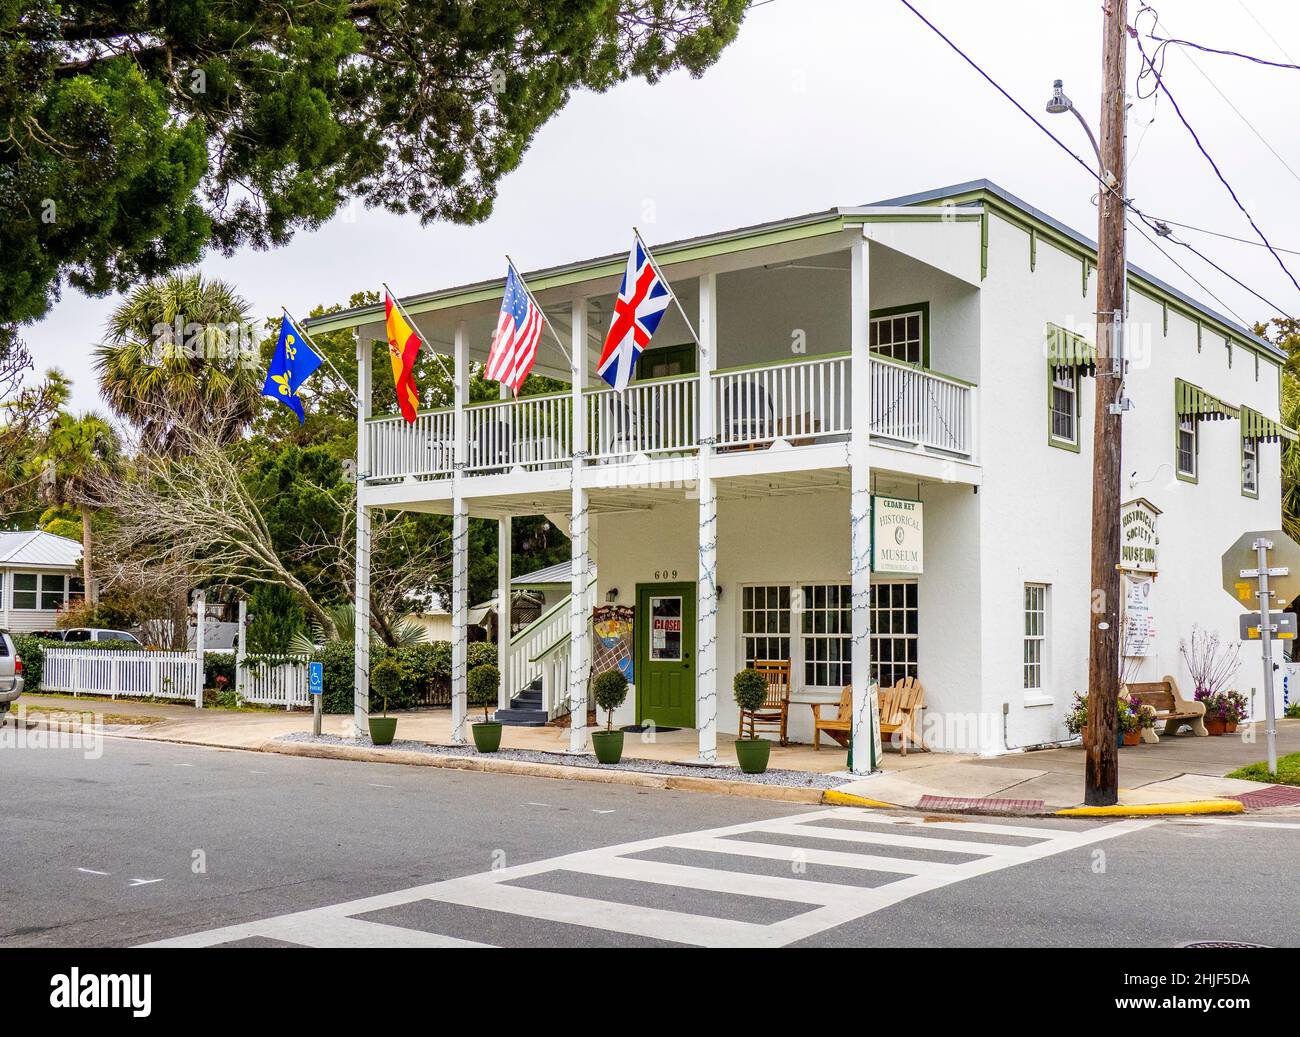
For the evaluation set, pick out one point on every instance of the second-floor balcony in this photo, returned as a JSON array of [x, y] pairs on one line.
[[793, 404]]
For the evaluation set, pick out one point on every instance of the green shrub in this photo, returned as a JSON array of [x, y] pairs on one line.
[[610, 691], [484, 683], [336, 660], [32, 650], [479, 653], [275, 615], [749, 687], [386, 680], [219, 664]]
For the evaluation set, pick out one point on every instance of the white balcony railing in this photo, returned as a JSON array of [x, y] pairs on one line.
[[800, 402], [657, 417]]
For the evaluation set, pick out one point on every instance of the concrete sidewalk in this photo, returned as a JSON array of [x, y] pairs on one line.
[[1176, 769]]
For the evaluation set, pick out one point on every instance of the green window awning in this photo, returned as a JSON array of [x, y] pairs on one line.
[[1255, 425], [1069, 349], [1192, 400]]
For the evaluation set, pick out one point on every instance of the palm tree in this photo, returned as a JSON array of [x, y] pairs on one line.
[[77, 455], [179, 353]]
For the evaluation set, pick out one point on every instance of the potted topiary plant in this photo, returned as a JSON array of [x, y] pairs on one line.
[[749, 687], [385, 680], [484, 682], [609, 690]]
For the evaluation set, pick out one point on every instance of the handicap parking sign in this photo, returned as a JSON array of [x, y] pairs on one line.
[[316, 678]]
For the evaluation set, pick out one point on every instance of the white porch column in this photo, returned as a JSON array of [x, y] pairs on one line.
[[459, 543], [864, 761], [503, 612], [579, 536], [706, 643], [361, 588]]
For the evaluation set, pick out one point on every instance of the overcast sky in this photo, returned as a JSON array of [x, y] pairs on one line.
[[839, 102]]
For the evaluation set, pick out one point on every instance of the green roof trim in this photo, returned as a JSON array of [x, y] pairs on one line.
[[1069, 349], [1255, 425], [1192, 400]]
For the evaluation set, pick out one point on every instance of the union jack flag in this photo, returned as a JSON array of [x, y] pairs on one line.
[[514, 344], [638, 309]]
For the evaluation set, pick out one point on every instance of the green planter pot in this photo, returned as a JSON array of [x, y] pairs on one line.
[[608, 745], [752, 754], [487, 736], [382, 730]]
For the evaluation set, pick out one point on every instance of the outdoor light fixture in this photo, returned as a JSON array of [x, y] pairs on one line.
[[611, 595], [1060, 104]]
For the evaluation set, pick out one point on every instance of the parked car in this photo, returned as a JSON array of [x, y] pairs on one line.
[[77, 634], [11, 672]]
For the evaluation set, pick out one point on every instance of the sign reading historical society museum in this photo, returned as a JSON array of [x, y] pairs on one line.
[[1138, 538], [897, 535]]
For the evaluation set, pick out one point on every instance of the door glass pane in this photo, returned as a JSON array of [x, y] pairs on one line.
[[665, 629]]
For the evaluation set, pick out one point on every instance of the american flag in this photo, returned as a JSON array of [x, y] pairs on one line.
[[514, 344]]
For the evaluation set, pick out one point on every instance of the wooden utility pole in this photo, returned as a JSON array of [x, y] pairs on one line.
[[1101, 781]]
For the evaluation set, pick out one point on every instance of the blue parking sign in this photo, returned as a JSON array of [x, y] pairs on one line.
[[316, 678]]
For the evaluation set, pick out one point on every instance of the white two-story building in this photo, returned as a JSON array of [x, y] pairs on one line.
[[876, 461]]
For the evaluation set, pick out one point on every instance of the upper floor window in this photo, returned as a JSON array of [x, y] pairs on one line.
[[900, 333], [1250, 466], [1187, 446], [1065, 405]]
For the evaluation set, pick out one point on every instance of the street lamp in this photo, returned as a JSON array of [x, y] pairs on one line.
[[1058, 105]]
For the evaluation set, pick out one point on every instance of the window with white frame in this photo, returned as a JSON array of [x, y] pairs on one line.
[[827, 628], [1065, 404], [54, 591], [1250, 466], [765, 623], [894, 621], [900, 336], [1035, 634], [1187, 446], [25, 591]]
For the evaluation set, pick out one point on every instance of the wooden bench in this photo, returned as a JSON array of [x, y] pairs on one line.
[[1162, 698], [900, 714]]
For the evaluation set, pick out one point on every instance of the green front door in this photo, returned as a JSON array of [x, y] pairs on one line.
[[665, 654]]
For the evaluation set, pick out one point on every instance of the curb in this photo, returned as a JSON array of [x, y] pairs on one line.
[[1195, 806], [847, 799], [717, 786]]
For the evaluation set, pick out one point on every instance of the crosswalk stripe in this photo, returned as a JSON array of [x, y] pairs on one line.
[[675, 926], [828, 904]]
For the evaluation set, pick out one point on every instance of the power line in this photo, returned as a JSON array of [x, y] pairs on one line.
[[1160, 84], [1195, 280], [1106, 187], [1220, 234], [1264, 29], [1165, 41]]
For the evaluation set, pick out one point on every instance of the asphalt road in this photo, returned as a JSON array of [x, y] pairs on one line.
[[154, 842]]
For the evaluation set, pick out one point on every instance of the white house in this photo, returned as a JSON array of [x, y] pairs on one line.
[[39, 574], [931, 355]]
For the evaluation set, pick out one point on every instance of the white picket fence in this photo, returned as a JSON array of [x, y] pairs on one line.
[[113, 672], [268, 683]]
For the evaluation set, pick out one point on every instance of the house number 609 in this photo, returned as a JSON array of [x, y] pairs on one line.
[[665, 574]]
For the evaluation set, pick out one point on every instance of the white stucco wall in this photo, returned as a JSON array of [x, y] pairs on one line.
[[1036, 499]]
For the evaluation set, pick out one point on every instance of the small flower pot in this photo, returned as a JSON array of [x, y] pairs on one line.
[[382, 730], [752, 754], [1132, 738], [1215, 726], [487, 736], [608, 745], [1232, 727]]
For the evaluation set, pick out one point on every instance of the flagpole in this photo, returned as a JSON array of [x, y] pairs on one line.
[[407, 317], [677, 302], [319, 352], [545, 319]]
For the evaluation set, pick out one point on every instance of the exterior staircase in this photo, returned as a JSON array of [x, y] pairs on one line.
[[526, 708], [538, 666]]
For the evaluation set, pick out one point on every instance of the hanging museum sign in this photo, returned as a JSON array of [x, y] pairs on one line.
[[897, 536], [1139, 620], [1138, 536]]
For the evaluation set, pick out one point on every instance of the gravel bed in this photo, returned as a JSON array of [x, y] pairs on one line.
[[788, 779]]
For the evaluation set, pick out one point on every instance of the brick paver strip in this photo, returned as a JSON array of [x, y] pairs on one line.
[[1273, 796], [1010, 806]]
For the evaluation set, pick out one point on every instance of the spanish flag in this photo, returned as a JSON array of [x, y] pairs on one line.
[[403, 347]]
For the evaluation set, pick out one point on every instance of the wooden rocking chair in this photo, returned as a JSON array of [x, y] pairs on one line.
[[775, 712]]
